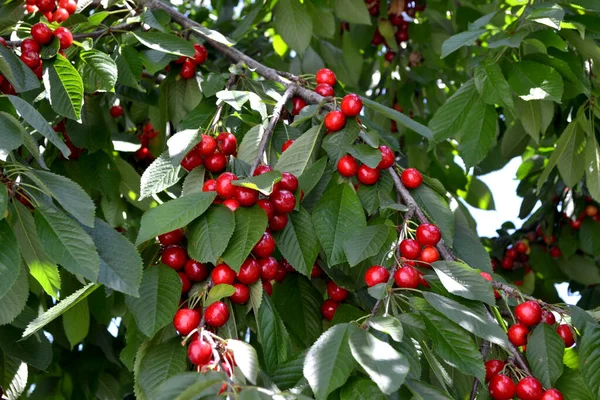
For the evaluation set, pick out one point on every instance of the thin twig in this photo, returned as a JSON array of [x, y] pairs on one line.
[[230, 82], [485, 348], [512, 292]]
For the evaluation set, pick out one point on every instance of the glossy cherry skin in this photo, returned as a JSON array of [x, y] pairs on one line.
[[406, 277], [210, 186], [69, 5], [200, 54], [389, 56], [502, 387], [428, 234], [174, 256], [387, 157], [281, 273], [429, 255], [199, 352], [507, 263], [548, 317], [328, 309], [411, 178], [267, 206], [226, 143], [552, 394], [265, 246], [45, 5], [511, 253], [517, 334], [64, 37], [245, 196], [376, 275], [529, 388], [249, 271], [347, 166], [241, 295], [262, 169], [278, 222], [298, 104], [216, 314], [207, 146], [188, 70], [195, 270], [335, 292], [287, 145], [410, 249], [215, 162], [325, 90], [316, 271], [284, 201], [186, 320], [565, 332], [191, 161], [41, 33], [224, 187], [222, 273], [521, 247], [268, 268], [367, 175], [31, 59], [351, 105], [529, 313], [493, 368], [28, 45], [288, 182], [267, 287], [334, 121], [116, 111], [60, 15], [555, 252], [326, 76], [402, 36], [185, 282]]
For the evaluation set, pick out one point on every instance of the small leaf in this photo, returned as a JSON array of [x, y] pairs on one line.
[[399, 118], [272, 335], [589, 358], [101, 70], [262, 183], [187, 385], [451, 116], [389, 325], [248, 149], [130, 184], [165, 43], [214, 35], [478, 134], [218, 292], [130, 67], [366, 154], [298, 243], [36, 351], [464, 281], [181, 143], [160, 175], [298, 156], [13, 301], [467, 244], [250, 224], [76, 322], [459, 40], [365, 242], [535, 81], [12, 134], [545, 354], [63, 83], [193, 182], [209, 235], [245, 358], [492, 85], [592, 171]]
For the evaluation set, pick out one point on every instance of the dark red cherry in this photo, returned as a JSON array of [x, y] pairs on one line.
[[174, 256], [249, 271], [222, 274]]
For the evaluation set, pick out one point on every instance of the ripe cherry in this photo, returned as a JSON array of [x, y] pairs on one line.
[[367, 175], [521, 247], [410, 249], [45, 5], [69, 5], [517, 334], [267, 287], [288, 182], [529, 313], [287, 145], [224, 187], [174, 256], [265, 246], [262, 169], [249, 271], [227, 143], [493, 368], [284, 201], [170, 238], [185, 282], [60, 15], [199, 352], [298, 105], [245, 196], [31, 59], [396, 19], [200, 54], [334, 121], [511, 253], [222, 274], [268, 207], [325, 90], [64, 37], [210, 186], [28, 45], [186, 320], [268, 268], [507, 263], [488, 277], [564, 331], [529, 388], [326, 76], [215, 162], [195, 270], [347, 166], [316, 271], [387, 157], [335, 292], [188, 70], [428, 234], [555, 252], [575, 224], [141, 154], [402, 36], [376, 275], [191, 161], [207, 146], [406, 277], [41, 33], [429, 255], [216, 314], [389, 56], [328, 309], [552, 394], [278, 222], [281, 273], [548, 317], [502, 387], [241, 295], [351, 105], [411, 178], [116, 111]]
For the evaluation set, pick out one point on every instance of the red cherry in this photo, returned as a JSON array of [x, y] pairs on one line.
[[188, 69], [335, 292], [552, 394], [493, 368], [548, 317], [410, 249], [241, 295], [207, 146], [268, 207], [376, 275], [278, 222], [281, 273], [517, 334], [555, 252], [268, 268], [170, 238], [591, 210], [325, 90], [288, 182], [64, 37], [406, 277], [529, 388], [31, 59], [367, 175], [60, 15], [227, 143], [411, 178], [387, 157], [249, 271], [199, 352], [215, 163], [267, 287], [245, 196], [262, 169], [328, 309], [45, 5], [286, 145], [195, 270], [507, 263], [511, 253], [502, 387], [402, 36], [222, 274], [374, 10], [191, 161], [216, 314], [28, 45], [174, 256], [69, 5], [284, 201], [185, 282], [521, 247], [265, 246], [224, 187], [116, 111], [428, 234], [529, 313], [316, 271], [422, 281], [8, 88], [488, 277], [565, 332], [389, 56], [41, 33], [210, 186], [326, 76], [298, 105], [351, 105], [347, 166], [186, 320], [396, 19], [200, 54], [576, 224], [334, 121], [429, 255]]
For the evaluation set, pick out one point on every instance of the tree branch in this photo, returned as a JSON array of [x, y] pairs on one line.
[[485, 348], [512, 292]]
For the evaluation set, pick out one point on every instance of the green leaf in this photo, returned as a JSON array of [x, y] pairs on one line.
[[298, 156], [120, 263], [160, 175], [214, 35], [467, 245], [63, 83], [478, 134], [386, 367], [76, 322], [36, 352], [250, 224], [130, 184], [181, 143], [16, 72], [492, 85], [159, 363], [312, 175], [209, 235], [165, 43], [293, 23], [545, 354], [159, 298], [288, 373], [459, 40], [564, 148], [337, 145], [592, 172], [3, 201], [173, 214], [323, 20], [365, 242], [535, 81], [272, 335], [572, 385], [245, 359], [589, 358], [262, 183], [399, 118], [60, 308], [464, 281], [188, 385], [329, 362], [336, 217], [366, 154], [101, 71], [478, 194], [66, 242], [218, 292], [298, 243], [248, 149], [437, 209], [389, 325], [130, 67], [581, 270], [550, 16], [450, 118], [13, 301], [424, 391], [299, 305], [193, 182], [353, 11], [471, 316], [12, 134]]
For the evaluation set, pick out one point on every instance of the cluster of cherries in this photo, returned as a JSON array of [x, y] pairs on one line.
[[148, 133], [348, 166], [212, 153], [189, 64], [53, 12], [76, 152], [502, 387], [336, 295], [590, 211]]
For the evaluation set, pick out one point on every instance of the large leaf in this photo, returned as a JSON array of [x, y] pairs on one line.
[[399, 118], [492, 85], [63, 83], [272, 335], [13, 301], [160, 175], [572, 385], [130, 184], [592, 172], [298, 243], [294, 24], [467, 245], [130, 67], [209, 235], [187, 385], [478, 134], [535, 81], [424, 391], [165, 43], [16, 72], [365, 242], [100, 71], [563, 146], [12, 134], [451, 116], [298, 156], [464, 281], [245, 358], [545, 354], [437, 209], [589, 358], [248, 148], [353, 11], [250, 224], [459, 40], [35, 351], [76, 322], [161, 362], [10, 259], [160, 291], [572, 161]]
